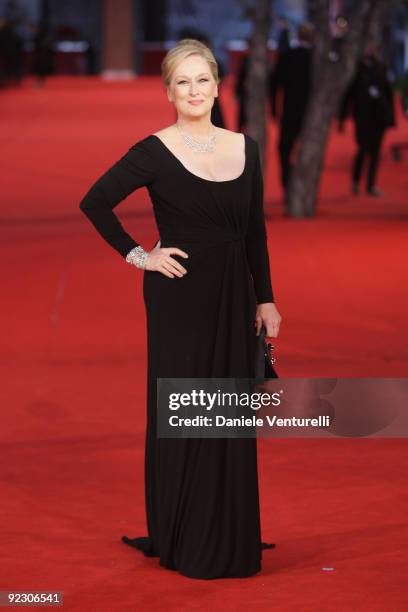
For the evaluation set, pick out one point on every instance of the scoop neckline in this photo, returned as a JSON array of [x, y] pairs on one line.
[[201, 178]]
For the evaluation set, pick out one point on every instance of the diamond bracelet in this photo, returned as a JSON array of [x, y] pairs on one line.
[[137, 256]]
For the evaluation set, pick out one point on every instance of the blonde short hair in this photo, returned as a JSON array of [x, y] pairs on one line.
[[184, 48]]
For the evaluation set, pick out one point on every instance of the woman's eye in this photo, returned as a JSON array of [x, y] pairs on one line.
[[201, 80]]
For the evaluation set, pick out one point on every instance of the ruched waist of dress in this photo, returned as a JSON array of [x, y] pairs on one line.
[[203, 238]]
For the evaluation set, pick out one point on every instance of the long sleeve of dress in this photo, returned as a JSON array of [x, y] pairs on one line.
[[256, 240], [134, 170]]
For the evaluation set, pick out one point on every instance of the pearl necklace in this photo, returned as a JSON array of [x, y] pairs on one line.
[[199, 146]]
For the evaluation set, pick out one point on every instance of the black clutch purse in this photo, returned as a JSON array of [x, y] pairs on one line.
[[264, 359]]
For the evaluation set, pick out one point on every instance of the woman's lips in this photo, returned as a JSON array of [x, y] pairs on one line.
[[196, 102]]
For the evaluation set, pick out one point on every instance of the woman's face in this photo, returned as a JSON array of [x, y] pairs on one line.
[[192, 87]]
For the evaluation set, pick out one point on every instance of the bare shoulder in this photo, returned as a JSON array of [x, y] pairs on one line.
[[231, 138], [166, 134], [229, 134]]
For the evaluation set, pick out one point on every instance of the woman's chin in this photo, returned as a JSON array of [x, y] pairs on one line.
[[196, 111]]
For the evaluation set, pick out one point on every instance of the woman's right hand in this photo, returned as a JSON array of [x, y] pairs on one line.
[[160, 260]]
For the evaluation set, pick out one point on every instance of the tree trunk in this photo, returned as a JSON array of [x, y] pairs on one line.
[[330, 79], [256, 82]]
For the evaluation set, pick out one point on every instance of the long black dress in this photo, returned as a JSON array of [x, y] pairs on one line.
[[202, 502]]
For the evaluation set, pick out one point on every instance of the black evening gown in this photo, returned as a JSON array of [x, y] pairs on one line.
[[202, 500]]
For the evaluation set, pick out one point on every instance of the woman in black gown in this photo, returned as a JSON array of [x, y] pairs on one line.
[[207, 292]]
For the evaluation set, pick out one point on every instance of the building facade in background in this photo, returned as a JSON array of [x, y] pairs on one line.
[[80, 27]]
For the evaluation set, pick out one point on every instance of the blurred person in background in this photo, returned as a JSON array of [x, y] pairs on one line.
[[3, 69], [283, 35], [370, 99], [239, 90], [43, 56], [404, 94], [292, 77], [11, 52]]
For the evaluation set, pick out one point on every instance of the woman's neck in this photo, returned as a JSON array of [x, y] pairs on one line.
[[200, 127]]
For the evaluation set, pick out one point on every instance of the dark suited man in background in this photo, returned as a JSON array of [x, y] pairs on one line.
[[292, 75], [239, 89], [283, 35], [371, 99]]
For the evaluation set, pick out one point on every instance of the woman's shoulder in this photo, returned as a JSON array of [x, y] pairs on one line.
[[149, 142], [164, 132], [144, 147], [238, 138], [143, 143], [146, 153], [230, 135], [142, 156]]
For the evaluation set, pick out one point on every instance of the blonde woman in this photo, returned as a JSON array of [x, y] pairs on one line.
[[207, 292]]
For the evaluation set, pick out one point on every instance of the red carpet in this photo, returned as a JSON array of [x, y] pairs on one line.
[[73, 363]]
